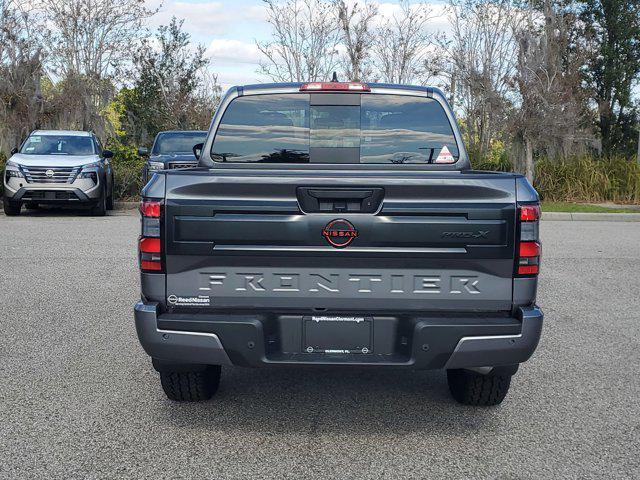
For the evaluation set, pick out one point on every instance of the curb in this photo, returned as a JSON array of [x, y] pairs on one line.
[[591, 217]]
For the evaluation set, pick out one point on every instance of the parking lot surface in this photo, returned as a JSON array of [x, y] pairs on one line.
[[79, 398]]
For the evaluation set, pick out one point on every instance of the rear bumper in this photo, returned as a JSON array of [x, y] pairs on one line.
[[429, 342], [176, 346], [494, 350]]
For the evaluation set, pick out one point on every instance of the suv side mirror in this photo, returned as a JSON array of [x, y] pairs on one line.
[[197, 150], [143, 151], [107, 153], [14, 150]]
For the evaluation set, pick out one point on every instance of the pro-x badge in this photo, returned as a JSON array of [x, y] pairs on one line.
[[339, 233]]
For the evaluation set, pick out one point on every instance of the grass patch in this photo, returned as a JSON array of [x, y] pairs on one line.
[[585, 207]]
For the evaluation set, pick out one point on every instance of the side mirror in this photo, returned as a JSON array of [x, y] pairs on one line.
[[143, 151], [14, 150], [107, 153], [197, 150]]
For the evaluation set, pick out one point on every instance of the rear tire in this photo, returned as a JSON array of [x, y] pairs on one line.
[[10, 209], [191, 386], [471, 388], [100, 209]]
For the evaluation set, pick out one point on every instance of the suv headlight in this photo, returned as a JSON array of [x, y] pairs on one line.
[[92, 174], [91, 165], [12, 170], [154, 166]]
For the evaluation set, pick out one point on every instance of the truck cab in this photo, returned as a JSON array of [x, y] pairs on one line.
[[338, 224]]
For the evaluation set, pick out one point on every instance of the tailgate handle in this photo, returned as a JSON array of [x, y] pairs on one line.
[[337, 194], [321, 200]]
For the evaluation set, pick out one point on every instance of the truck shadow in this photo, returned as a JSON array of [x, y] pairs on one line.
[[324, 400]]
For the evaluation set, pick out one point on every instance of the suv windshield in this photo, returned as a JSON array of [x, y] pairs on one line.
[[178, 142], [333, 128], [58, 145]]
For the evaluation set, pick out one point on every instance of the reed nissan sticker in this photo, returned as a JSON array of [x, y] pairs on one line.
[[195, 301]]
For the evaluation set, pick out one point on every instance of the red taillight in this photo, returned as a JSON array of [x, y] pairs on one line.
[[529, 213], [150, 208], [528, 249], [529, 258], [150, 251], [335, 86], [150, 245], [150, 265], [527, 269]]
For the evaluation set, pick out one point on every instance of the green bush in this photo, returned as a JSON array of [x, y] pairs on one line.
[[588, 179], [496, 160], [127, 171]]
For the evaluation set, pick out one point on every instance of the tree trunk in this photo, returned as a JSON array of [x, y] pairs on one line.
[[638, 154], [452, 90], [528, 160]]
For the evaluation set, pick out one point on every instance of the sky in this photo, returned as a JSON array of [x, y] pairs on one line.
[[229, 30]]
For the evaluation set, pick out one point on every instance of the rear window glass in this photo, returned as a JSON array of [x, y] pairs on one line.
[[295, 128], [58, 145], [178, 142]]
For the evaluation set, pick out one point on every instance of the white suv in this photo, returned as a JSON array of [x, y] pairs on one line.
[[59, 167]]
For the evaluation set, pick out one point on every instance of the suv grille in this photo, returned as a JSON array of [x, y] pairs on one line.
[[50, 174], [173, 165]]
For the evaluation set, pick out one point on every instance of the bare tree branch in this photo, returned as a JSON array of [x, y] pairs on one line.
[[304, 41], [481, 50], [357, 36], [403, 44]]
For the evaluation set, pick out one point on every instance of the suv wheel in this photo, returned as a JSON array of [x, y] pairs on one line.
[[110, 197], [9, 208], [191, 386], [101, 208], [471, 388]]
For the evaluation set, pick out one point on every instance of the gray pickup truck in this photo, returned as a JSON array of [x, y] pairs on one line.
[[171, 150], [338, 224]]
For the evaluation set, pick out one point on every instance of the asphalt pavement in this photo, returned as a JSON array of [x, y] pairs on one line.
[[79, 398]]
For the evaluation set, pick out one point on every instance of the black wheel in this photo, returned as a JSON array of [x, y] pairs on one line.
[[31, 206], [101, 207], [471, 388], [110, 203], [110, 200], [10, 209], [191, 386]]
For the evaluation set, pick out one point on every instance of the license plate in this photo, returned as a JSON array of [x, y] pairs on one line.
[[331, 334]]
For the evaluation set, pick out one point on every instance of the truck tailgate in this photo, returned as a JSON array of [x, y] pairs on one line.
[[307, 240]]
